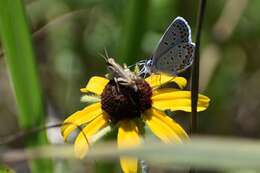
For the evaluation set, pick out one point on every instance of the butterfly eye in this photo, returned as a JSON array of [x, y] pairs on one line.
[[149, 63]]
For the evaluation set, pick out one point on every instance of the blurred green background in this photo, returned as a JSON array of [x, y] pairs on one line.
[[68, 36]]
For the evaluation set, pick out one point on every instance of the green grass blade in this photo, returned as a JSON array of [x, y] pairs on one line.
[[201, 153], [16, 40]]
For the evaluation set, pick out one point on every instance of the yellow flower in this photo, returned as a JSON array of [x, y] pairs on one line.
[[122, 106]]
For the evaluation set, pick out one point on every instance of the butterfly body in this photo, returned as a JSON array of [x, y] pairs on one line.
[[174, 52]]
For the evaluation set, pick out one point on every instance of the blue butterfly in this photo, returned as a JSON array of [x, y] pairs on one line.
[[174, 52]]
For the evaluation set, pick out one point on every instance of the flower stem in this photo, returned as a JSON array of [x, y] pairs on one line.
[[195, 67]]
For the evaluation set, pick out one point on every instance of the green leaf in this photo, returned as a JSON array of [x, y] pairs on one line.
[[19, 54]]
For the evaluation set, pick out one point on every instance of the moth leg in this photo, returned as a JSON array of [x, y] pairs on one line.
[[117, 85]]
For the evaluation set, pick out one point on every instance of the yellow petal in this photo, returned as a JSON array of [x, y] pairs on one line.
[[96, 85], [163, 94], [169, 121], [128, 134], [164, 90], [156, 80], [128, 137], [178, 100], [129, 164], [164, 127], [80, 117], [83, 140]]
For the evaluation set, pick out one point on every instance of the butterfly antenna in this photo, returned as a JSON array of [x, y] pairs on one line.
[[130, 66], [137, 63]]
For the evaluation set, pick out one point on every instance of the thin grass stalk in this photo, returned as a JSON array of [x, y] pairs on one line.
[[133, 30], [20, 60], [195, 67]]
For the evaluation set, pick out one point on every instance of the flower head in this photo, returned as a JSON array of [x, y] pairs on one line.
[[123, 105]]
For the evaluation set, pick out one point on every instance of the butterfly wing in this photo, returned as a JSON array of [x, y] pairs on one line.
[[178, 32], [177, 59]]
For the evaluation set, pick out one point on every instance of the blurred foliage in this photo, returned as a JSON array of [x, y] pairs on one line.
[[69, 35], [5, 169], [21, 65]]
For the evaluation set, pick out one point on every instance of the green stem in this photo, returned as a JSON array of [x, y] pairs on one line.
[[195, 67]]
